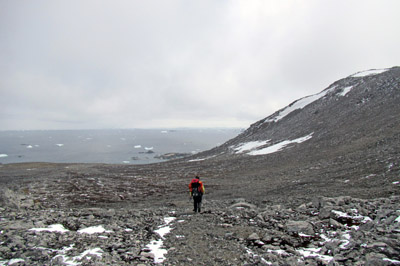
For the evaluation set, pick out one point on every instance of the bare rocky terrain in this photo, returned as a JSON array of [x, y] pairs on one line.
[[323, 189]]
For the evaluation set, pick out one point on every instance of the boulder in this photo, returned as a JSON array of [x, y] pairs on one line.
[[325, 213], [299, 227], [253, 237]]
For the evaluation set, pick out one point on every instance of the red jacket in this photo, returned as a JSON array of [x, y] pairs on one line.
[[201, 186]]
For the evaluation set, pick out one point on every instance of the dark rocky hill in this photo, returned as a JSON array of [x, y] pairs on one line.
[[361, 107], [347, 136]]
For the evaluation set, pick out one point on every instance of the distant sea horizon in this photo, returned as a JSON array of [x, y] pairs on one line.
[[111, 146]]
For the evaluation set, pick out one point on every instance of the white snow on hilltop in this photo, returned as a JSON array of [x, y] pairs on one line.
[[369, 72], [299, 104], [279, 146]]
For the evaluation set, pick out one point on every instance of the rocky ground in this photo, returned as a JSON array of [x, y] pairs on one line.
[[119, 215]]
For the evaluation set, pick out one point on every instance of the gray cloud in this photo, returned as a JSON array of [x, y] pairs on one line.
[[118, 64]]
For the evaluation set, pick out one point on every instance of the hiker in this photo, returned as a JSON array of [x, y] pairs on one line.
[[196, 189]]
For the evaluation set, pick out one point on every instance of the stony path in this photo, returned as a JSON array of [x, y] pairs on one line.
[[202, 239], [217, 236]]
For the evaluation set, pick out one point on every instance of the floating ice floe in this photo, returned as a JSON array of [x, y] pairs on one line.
[[3, 155], [164, 132], [125, 162], [93, 230], [29, 147], [59, 228], [148, 148], [279, 146], [138, 146], [60, 145], [369, 72]]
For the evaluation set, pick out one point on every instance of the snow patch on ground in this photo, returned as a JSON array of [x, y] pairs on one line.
[[202, 159], [391, 261], [155, 246], [299, 104], [61, 256], [357, 217], [93, 230], [11, 262], [313, 252], [345, 91], [59, 228], [251, 253], [279, 146], [77, 260], [369, 72], [247, 146]]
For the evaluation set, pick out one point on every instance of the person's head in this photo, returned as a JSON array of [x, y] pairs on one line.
[[197, 177]]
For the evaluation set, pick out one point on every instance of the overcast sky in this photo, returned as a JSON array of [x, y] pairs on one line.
[[80, 64]]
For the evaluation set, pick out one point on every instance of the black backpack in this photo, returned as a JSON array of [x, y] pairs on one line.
[[196, 189]]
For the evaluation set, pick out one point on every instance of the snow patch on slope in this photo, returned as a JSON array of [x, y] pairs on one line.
[[279, 146], [345, 91], [299, 104], [248, 146]]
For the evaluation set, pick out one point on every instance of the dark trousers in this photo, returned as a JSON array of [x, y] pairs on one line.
[[197, 203]]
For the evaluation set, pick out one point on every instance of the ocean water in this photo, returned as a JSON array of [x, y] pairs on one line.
[[128, 146]]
